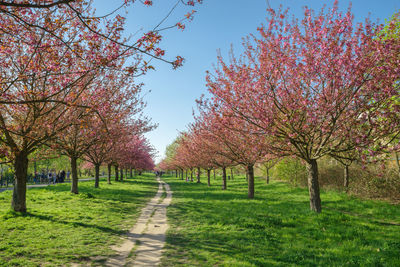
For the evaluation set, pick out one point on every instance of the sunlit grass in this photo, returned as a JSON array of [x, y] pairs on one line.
[[61, 228], [212, 227]]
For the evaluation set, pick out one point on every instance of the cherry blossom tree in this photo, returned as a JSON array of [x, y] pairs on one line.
[[308, 83]]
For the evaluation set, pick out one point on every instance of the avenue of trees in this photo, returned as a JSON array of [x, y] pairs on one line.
[[309, 89], [68, 86]]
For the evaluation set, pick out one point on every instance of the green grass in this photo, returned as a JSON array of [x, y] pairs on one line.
[[61, 228], [212, 227]]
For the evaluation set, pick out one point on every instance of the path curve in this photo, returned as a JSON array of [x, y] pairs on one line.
[[146, 239]]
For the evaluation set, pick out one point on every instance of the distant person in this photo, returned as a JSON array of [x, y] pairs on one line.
[[49, 177], [62, 176]]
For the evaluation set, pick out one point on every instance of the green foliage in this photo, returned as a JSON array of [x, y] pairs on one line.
[[291, 170], [213, 227], [62, 228], [392, 28]]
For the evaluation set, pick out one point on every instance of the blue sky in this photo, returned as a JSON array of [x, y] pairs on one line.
[[217, 25]]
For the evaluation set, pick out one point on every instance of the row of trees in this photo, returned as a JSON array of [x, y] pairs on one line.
[[67, 83], [321, 86]]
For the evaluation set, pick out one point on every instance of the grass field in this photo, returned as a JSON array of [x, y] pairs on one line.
[[61, 228], [211, 227]]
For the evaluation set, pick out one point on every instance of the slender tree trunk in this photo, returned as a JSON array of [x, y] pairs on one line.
[[109, 173], [267, 175], [18, 202], [97, 175], [198, 174], [35, 168], [122, 174], [398, 163], [250, 171], [74, 174], [346, 176], [186, 175], [176, 173], [208, 177], [116, 173], [214, 173], [223, 178], [232, 173], [313, 185], [191, 175]]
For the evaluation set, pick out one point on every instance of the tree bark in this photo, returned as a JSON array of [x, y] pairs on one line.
[[267, 175], [198, 174], [223, 178], [109, 173], [186, 175], [191, 175], [122, 174], [116, 173], [232, 173], [313, 185], [250, 191], [208, 177], [18, 202], [346, 176], [398, 163], [97, 175], [74, 174]]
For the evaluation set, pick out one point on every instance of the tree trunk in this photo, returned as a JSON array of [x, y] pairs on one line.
[[223, 178], [191, 175], [176, 173], [267, 175], [313, 185], [131, 173], [74, 173], [116, 173], [232, 173], [97, 175], [346, 176], [214, 173], [250, 171], [122, 174], [398, 163], [109, 173], [18, 202], [198, 175], [208, 177], [186, 175]]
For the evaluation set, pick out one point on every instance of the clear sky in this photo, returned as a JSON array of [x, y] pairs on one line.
[[217, 25]]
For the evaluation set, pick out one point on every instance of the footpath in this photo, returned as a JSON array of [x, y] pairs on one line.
[[145, 241], [45, 185]]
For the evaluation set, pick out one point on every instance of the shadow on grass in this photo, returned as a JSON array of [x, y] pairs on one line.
[[12, 214], [212, 227]]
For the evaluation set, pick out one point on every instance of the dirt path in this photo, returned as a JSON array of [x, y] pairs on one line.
[[146, 239]]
